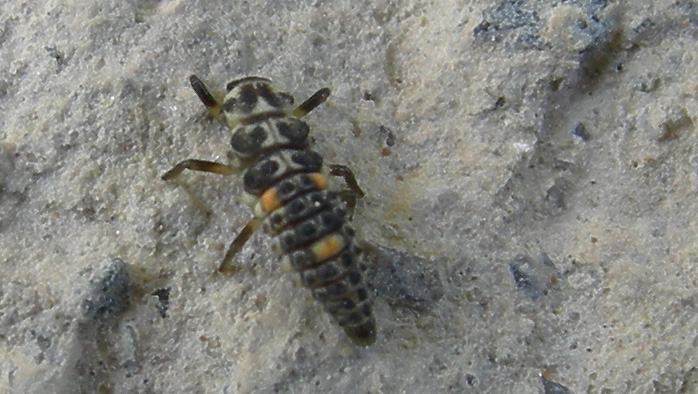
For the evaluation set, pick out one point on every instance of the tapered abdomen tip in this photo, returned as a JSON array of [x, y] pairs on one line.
[[362, 335]]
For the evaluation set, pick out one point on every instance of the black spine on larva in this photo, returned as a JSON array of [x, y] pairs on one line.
[[276, 150]]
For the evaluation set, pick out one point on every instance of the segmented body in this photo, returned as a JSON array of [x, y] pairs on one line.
[[286, 184]]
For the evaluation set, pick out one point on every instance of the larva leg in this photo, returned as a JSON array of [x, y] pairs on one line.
[[227, 266], [310, 104], [353, 192], [196, 165], [213, 106], [348, 197], [349, 178]]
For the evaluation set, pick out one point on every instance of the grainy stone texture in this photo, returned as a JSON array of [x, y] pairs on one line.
[[531, 170]]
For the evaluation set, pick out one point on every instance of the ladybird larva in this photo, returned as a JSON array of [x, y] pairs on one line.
[[286, 184]]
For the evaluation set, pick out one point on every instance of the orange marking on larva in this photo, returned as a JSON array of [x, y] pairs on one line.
[[319, 180], [269, 200], [327, 247]]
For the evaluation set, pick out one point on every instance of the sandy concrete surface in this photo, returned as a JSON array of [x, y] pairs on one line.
[[531, 170]]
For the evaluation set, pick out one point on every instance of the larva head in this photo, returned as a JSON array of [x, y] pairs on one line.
[[252, 96]]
